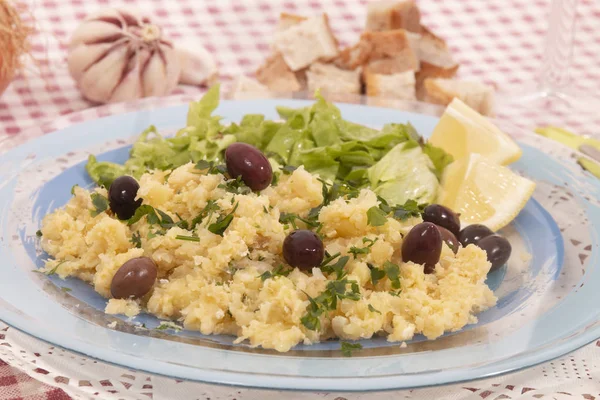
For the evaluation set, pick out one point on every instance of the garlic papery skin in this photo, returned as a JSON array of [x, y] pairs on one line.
[[118, 55]]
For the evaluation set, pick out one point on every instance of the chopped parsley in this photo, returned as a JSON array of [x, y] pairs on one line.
[[391, 270], [288, 169], [207, 212], [265, 210], [373, 309], [211, 166], [409, 209], [290, 219], [100, 204], [376, 274], [222, 223], [347, 348], [73, 188], [136, 240], [393, 273], [236, 186], [53, 270], [355, 251], [327, 301], [275, 179], [280, 270], [401, 212], [39, 233], [332, 191], [337, 267], [376, 216], [188, 238], [65, 289], [154, 216], [168, 325]]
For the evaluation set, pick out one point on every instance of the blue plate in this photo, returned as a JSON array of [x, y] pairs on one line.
[[547, 293]]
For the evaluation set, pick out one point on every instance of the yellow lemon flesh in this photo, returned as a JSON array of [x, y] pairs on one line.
[[462, 131], [484, 192]]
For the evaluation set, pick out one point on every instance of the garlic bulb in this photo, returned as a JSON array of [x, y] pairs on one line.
[[197, 67], [116, 55]]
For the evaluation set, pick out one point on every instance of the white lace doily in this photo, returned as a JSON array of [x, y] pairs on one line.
[[573, 377]]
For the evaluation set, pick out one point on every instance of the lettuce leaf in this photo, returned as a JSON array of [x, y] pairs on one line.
[[439, 157], [103, 172], [404, 174], [394, 161]]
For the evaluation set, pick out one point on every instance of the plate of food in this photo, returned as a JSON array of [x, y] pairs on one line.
[[300, 244]]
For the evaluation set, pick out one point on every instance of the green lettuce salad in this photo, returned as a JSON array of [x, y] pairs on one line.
[[394, 161]]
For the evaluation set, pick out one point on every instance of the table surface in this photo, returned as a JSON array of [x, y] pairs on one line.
[[497, 41]]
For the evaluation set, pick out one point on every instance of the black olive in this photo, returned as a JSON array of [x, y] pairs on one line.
[[442, 216], [449, 238], [134, 279], [423, 245], [121, 197], [497, 248], [303, 249], [472, 234], [250, 164]]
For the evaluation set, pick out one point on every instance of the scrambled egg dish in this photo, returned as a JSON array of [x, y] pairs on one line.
[[224, 272]]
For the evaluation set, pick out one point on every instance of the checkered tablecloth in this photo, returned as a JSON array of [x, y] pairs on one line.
[[497, 41]]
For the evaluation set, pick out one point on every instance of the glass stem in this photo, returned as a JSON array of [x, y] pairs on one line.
[[558, 47]]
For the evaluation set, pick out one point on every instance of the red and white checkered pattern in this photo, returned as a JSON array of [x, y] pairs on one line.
[[497, 41], [15, 385]]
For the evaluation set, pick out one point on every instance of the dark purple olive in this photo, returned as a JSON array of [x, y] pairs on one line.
[[423, 245], [498, 250], [303, 249], [472, 234], [121, 197], [249, 163], [442, 216], [134, 279], [449, 238]]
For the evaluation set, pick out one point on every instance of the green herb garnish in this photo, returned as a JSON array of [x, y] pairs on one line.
[[154, 216], [100, 204], [221, 224], [290, 219], [355, 251], [376, 216], [280, 270], [136, 240], [393, 273], [288, 169], [373, 309], [73, 188], [327, 301], [188, 238], [376, 274], [236, 186], [206, 213], [168, 325], [409, 209], [211, 167], [38, 233], [347, 348], [337, 267]]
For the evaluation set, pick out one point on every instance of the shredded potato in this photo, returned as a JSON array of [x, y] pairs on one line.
[[231, 284]]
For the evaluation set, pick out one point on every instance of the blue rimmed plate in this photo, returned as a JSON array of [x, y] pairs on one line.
[[547, 293]]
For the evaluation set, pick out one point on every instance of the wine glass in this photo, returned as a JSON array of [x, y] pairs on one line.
[[553, 99]]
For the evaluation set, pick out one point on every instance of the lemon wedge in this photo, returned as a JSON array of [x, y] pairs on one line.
[[462, 131], [484, 192]]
